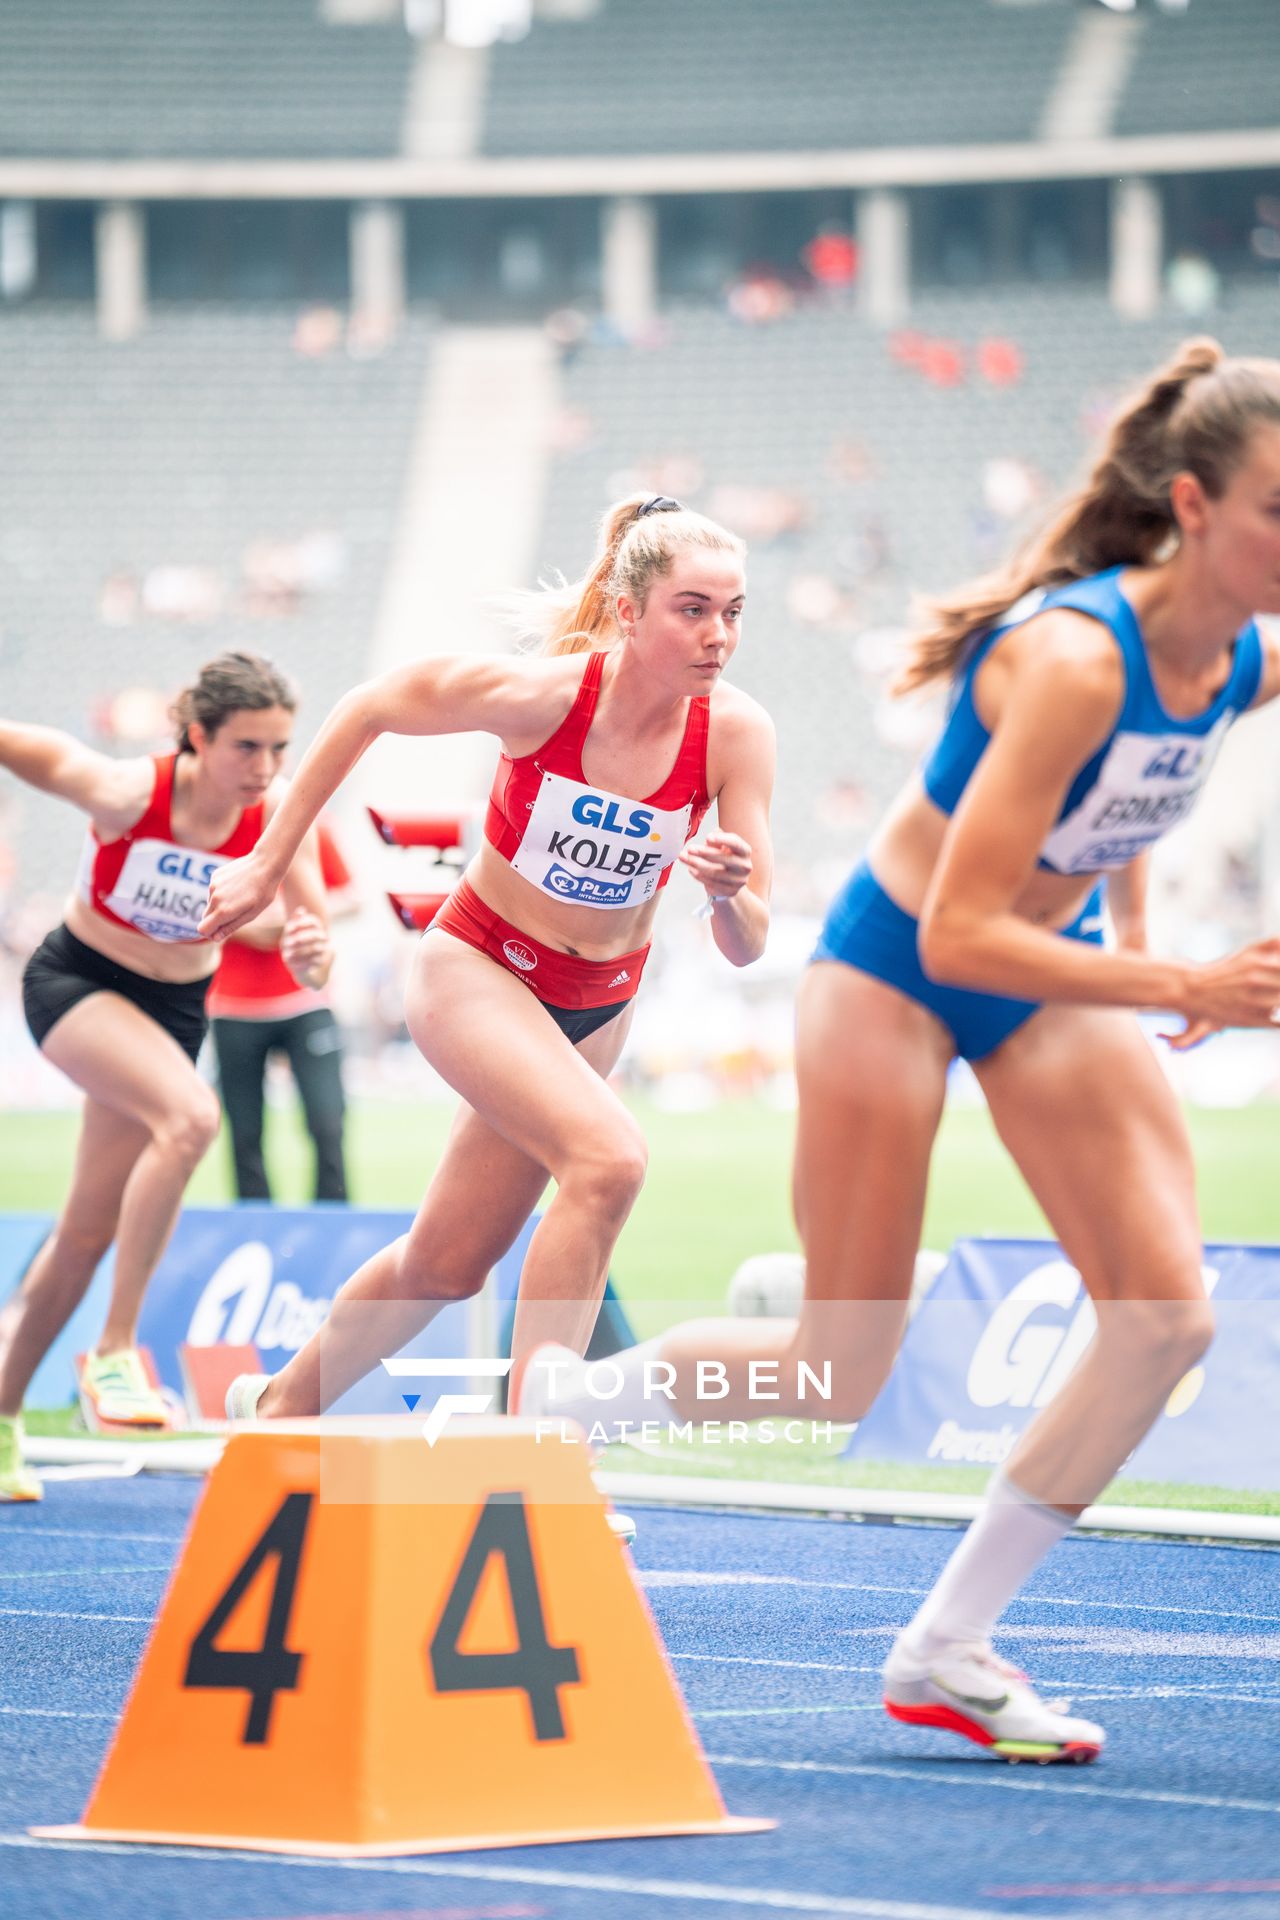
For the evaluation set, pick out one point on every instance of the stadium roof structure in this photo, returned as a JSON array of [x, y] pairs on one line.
[[292, 99]]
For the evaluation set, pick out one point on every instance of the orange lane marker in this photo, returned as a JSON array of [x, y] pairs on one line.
[[371, 1646]]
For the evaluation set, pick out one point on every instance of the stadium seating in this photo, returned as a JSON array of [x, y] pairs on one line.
[[156, 498], [1205, 70], [754, 75], [262, 78], [894, 483]]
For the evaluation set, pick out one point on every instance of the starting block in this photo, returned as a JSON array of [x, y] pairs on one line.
[[416, 910], [371, 1646], [439, 830], [207, 1372]]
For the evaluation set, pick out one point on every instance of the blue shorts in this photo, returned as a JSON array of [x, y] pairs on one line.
[[868, 930]]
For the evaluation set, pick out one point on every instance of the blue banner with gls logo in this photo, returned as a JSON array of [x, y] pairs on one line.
[[1007, 1320]]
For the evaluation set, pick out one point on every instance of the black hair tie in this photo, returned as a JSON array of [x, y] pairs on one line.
[[660, 503]]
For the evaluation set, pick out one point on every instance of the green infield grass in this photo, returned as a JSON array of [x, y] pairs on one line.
[[717, 1191]]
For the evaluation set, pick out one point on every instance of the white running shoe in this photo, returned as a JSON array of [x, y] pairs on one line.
[[970, 1690], [244, 1394], [534, 1402]]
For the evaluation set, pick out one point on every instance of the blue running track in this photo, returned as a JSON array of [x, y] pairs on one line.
[[777, 1628]]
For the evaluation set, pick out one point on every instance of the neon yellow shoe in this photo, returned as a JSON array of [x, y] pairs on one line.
[[17, 1482], [115, 1391]]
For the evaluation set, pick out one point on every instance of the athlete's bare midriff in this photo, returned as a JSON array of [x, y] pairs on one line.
[[905, 850], [177, 962], [589, 933]]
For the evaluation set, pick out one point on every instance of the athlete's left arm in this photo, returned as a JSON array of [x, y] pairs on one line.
[[305, 946], [735, 863]]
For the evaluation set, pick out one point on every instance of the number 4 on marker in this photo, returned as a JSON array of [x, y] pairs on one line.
[[273, 1668], [533, 1667]]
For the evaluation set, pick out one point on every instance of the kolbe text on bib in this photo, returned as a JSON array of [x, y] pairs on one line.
[[595, 848]]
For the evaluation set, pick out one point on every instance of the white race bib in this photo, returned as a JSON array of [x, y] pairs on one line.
[[163, 889], [594, 848], [1147, 784]]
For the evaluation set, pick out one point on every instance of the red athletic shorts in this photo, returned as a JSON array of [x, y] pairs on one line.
[[562, 981]]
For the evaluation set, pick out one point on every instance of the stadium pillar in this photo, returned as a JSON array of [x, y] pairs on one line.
[[120, 248], [884, 240], [377, 266], [629, 261], [1137, 247]]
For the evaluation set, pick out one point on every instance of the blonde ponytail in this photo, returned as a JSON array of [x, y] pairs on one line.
[[1194, 415], [638, 540]]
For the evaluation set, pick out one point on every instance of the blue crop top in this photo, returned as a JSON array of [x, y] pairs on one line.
[[1145, 776]]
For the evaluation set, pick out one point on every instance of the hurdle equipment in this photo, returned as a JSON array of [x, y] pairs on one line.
[[372, 1647]]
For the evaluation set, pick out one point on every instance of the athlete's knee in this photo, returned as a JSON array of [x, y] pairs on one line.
[[188, 1131], [431, 1266], [607, 1175], [1170, 1335], [1188, 1330]]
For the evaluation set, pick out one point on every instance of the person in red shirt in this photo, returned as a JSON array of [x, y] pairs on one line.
[[257, 1008], [115, 997]]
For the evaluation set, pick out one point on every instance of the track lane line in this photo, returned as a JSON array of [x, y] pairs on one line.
[[1002, 1778], [724, 1895]]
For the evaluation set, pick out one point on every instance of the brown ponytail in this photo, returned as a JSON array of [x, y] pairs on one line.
[[638, 540], [227, 684], [1194, 415]]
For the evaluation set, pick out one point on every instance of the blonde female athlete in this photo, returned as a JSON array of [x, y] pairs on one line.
[[1093, 680], [115, 997], [613, 748]]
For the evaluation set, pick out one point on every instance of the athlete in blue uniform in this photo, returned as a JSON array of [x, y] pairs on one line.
[[1093, 679]]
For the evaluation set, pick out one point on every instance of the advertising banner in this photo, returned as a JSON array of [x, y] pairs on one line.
[[1007, 1320]]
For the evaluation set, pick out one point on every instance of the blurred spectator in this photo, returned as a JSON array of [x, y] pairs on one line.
[[1192, 283], [257, 1008], [759, 297], [759, 513], [566, 328], [832, 258], [175, 592], [1000, 362], [118, 599], [1010, 486], [318, 332]]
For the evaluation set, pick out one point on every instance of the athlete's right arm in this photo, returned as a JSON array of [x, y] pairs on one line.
[[446, 693], [113, 792]]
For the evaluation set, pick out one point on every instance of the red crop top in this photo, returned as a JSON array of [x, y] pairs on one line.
[[584, 844], [149, 882]]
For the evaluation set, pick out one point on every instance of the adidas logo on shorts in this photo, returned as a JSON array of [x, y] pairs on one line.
[[619, 979]]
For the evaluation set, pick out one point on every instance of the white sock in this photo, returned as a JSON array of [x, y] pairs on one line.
[[620, 1390], [999, 1553]]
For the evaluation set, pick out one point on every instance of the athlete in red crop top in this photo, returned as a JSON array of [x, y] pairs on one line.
[[521, 991], [115, 998]]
